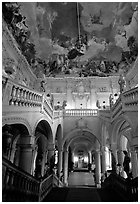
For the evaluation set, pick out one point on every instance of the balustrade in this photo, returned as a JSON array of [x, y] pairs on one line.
[[45, 186], [58, 114], [127, 188], [19, 95], [81, 112], [57, 182], [17, 181], [130, 99], [46, 106], [127, 101]]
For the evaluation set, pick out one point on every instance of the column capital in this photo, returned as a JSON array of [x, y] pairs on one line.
[[27, 147], [27, 139]]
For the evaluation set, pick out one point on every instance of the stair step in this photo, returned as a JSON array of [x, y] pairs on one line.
[[83, 194]]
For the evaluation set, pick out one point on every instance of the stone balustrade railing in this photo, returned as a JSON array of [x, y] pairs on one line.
[[18, 185], [127, 189], [117, 108], [130, 99], [19, 95], [58, 114], [57, 182], [127, 101], [46, 106], [81, 112], [106, 114], [45, 187]]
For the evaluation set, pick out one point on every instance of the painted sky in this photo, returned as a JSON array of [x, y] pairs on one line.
[[54, 27]]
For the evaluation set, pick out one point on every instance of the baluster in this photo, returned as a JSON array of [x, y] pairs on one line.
[[17, 96], [27, 98], [22, 96], [30, 98], [33, 98], [37, 100], [13, 94]]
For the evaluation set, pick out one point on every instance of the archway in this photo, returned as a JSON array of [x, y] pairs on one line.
[[43, 140], [82, 143], [12, 135]]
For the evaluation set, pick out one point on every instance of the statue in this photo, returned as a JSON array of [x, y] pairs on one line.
[[122, 83], [111, 100]]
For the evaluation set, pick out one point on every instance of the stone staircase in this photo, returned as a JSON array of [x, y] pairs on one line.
[[83, 194]]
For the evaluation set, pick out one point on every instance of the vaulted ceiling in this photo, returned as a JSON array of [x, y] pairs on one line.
[[109, 34]]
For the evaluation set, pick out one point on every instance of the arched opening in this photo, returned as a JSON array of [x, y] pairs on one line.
[[11, 140], [84, 150], [42, 160]]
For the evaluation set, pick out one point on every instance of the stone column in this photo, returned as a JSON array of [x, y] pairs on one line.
[[134, 161], [98, 167], [114, 157], [120, 161], [25, 161], [66, 167], [51, 148], [43, 163], [17, 155], [26, 153], [60, 157], [34, 159], [114, 151], [51, 156], [104, 167], [90, 157]]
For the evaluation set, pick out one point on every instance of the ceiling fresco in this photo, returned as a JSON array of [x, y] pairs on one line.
[[75, 38]]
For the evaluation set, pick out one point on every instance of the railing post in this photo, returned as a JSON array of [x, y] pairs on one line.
[[42, 104]]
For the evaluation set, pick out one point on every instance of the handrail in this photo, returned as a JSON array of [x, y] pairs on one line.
[[18, 182], [46, 106], [45, 187], [57, 182]]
